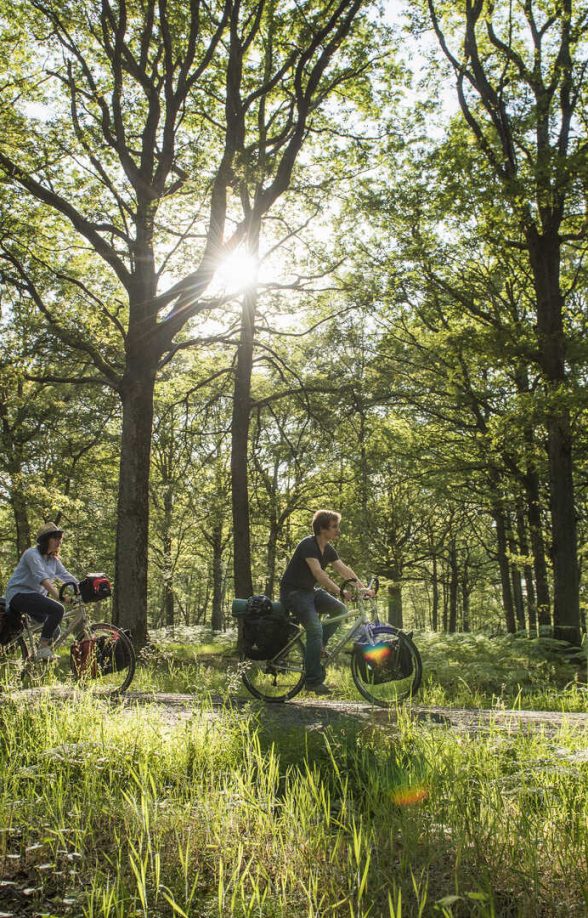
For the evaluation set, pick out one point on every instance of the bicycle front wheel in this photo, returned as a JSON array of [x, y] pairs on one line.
[[388, 671], [280, 678], [103, 662]]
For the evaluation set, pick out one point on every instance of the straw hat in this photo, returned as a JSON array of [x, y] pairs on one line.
[[48, 529]]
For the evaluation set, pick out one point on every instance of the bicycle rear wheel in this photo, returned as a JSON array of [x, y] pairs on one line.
[[394, 659], [280, 678], [105, 662]]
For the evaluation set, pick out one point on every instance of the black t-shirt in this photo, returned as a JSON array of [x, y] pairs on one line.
[[298, 575]]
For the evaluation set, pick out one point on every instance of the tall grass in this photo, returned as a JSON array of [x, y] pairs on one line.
[[111, 811]]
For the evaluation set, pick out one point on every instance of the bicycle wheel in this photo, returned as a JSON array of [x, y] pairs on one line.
[[13, 661], [280, 678], [104, 662], [389, 670]]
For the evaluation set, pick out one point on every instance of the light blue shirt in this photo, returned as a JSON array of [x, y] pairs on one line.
[[31, 570]]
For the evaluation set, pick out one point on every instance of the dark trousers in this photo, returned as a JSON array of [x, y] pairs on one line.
[[41, 608]]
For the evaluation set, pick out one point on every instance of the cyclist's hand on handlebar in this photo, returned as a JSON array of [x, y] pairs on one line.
[[367, 592]]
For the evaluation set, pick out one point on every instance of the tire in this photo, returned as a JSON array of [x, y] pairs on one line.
[[13, 663], [99, 671], [280, 678], [388, 694]]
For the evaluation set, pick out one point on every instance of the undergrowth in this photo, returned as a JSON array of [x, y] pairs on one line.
[[114, 811]]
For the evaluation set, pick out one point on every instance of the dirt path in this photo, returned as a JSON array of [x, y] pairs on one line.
[[313, 714], [316, 714]]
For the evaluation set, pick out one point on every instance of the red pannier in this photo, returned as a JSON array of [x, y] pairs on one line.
[[95, 587]]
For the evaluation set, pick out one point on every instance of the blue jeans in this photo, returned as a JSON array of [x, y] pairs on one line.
[[306, 605]]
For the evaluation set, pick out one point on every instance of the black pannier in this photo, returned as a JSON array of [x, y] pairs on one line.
[[95, 587], [11, 623], [265, 627], [385, 661], [112, 654]]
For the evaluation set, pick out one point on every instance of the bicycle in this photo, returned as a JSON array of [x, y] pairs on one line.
[[386, 665], [99, 656]]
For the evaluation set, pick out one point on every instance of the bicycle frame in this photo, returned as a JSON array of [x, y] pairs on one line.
[[361, 620]]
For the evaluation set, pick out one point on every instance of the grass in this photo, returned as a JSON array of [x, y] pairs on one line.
[[110, 811], [461, 670]]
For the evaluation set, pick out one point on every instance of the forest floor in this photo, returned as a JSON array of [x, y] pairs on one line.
[[318, 714]]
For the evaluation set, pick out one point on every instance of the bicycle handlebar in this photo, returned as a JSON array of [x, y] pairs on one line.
[[64, 586]]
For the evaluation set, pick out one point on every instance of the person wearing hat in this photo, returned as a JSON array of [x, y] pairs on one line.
[[32, 589]]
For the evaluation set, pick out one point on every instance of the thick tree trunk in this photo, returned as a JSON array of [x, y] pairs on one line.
[[239, 450], [395, 611], [545, 258], [130, 596]]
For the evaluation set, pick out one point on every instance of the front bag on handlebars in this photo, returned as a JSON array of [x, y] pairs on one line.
[[95, 587], [265, 627], [385, 661]]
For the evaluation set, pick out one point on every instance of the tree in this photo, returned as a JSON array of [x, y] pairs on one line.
[[520, 76], [171, 130]]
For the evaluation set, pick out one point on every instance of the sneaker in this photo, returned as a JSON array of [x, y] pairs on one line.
[[44, 652], [319, 689]]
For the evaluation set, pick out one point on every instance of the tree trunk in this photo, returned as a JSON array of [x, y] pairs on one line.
[[453, 587], [465, 601], [168, 591], [533, 498], [503, 566], [271, 558], [395, 614], [130, 598], [239, 450], [516, 581], [217, 618], [435, 609], [545, 258], [527, 572], [20, 512]]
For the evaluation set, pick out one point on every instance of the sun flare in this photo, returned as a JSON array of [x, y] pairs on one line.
[[236, 273]]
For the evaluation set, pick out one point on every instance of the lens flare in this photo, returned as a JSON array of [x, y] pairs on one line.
[[378, 653], [408, 796]]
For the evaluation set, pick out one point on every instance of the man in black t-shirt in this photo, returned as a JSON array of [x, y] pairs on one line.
[[299, 594]]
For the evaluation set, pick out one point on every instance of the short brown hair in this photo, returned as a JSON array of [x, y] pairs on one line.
[[323, 519]]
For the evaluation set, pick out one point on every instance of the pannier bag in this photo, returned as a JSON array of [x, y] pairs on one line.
[[100, 656], [112, 654], [83, 655], [265, 626], [95, 587], [386, 661], [11, 624]]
